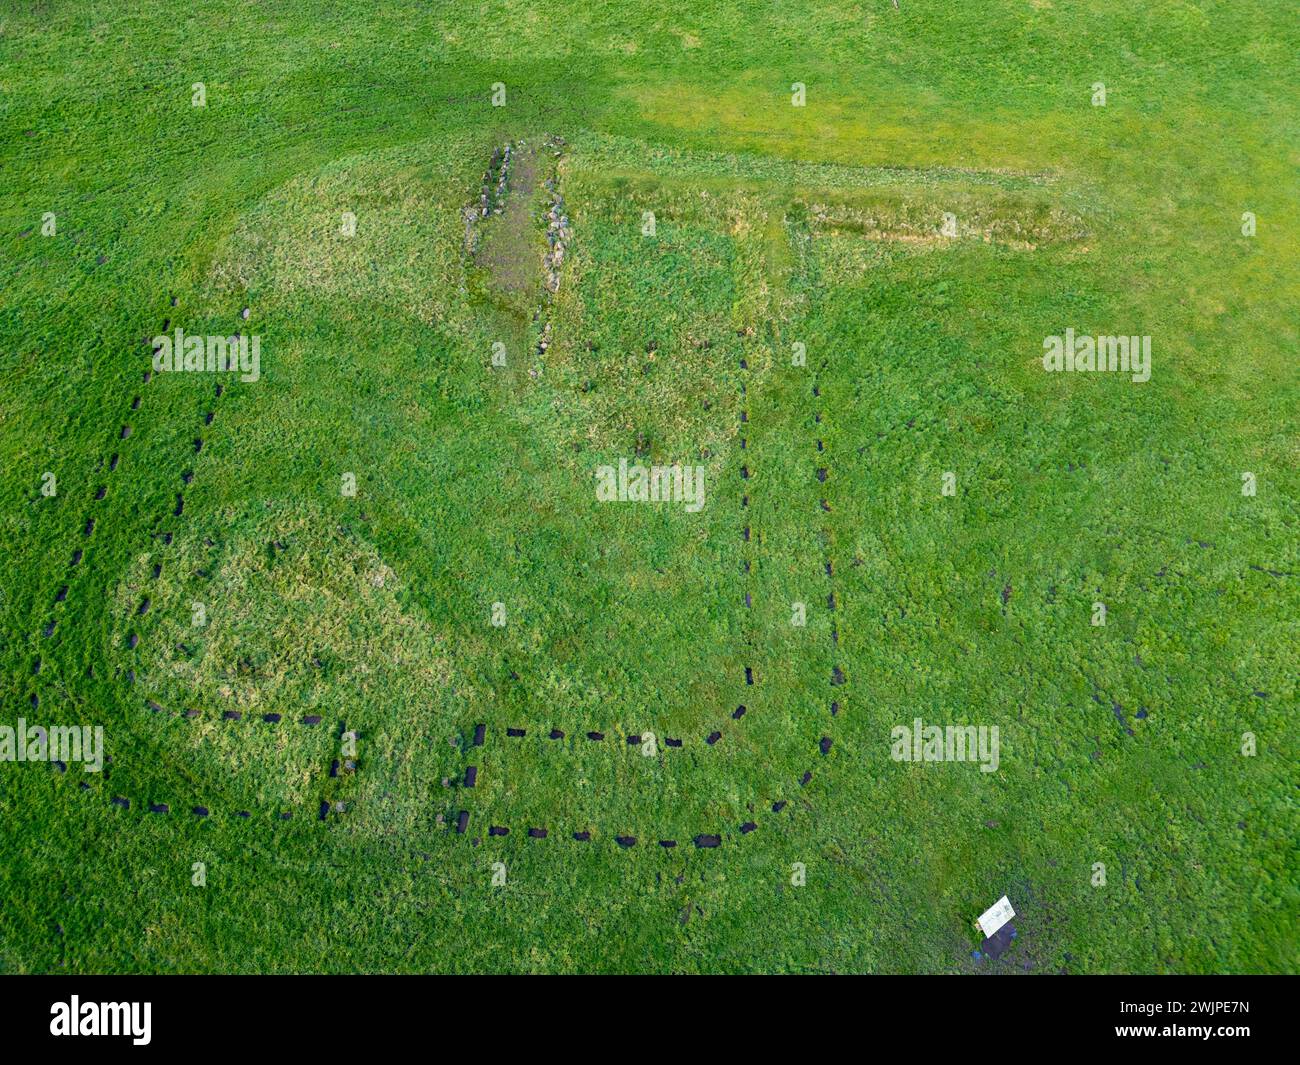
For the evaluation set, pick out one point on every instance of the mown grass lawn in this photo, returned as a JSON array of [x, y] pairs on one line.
[[816, 231]]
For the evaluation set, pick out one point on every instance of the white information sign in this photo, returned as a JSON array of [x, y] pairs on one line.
[[996, 916]]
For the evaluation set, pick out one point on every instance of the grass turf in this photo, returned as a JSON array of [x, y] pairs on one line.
[[775, 225]]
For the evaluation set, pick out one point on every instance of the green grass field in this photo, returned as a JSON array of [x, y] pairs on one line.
[[838, 305]]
